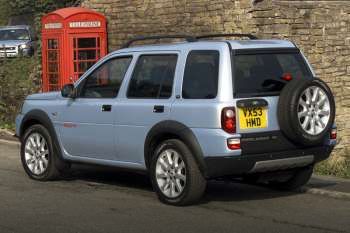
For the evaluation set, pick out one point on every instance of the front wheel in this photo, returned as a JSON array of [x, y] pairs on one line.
[[175, 175], [38, 156]]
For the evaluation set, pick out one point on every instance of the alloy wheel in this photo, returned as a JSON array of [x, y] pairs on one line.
[[314, 110], [170, 173], [36, 154]]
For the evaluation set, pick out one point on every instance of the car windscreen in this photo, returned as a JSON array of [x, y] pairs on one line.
[[14, 34], [263, 73]]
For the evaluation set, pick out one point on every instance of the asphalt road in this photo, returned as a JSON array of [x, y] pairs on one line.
[[98, 200]]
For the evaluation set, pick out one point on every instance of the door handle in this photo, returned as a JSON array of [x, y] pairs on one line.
[[158, 109], [106, 108]]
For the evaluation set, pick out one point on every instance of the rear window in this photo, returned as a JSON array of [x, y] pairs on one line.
[[262, 74], [201, 75], [153, 77]]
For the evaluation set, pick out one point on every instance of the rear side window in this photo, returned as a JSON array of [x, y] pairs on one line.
[[264, 74], [153, 77], [201, 75]]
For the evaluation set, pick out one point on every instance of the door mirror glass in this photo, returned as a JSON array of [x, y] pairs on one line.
[[68, 91]]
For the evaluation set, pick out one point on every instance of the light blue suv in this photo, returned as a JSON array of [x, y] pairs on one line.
[[184, 113]]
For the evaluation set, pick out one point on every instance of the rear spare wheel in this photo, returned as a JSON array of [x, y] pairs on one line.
[[306, 111]]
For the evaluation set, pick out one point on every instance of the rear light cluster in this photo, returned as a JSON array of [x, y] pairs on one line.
[[228, 124], [287, 77], [234, 143], [333, 134], [228, 120]]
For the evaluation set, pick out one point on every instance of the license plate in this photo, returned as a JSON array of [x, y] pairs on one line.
[[253, 118]]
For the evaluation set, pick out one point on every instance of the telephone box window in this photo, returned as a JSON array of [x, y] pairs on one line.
[[52, 64], [86, 54]]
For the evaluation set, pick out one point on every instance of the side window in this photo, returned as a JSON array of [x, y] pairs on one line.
[[153, 77], [201, 75], [106, 80]]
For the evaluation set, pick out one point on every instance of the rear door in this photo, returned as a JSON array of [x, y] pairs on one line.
[[147, 100], [258, 78]]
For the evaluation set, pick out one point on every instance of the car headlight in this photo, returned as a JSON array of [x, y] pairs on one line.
[[24, 46]]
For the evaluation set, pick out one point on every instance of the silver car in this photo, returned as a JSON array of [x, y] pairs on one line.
[[16, 41], [185, 113]]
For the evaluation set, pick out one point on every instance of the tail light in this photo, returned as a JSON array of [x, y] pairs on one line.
[[228, 120], [234, 143], [287, 76], [333, 134]]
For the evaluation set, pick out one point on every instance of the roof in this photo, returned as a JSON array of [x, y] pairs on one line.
[[235, 44], [69, 11], [15, 27]]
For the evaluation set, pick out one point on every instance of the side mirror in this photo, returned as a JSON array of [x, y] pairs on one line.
[[68, 91]]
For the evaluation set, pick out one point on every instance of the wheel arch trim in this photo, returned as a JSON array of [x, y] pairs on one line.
[[169, 127], [43, 119]]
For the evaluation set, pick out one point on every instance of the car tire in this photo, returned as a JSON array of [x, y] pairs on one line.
[[298, 179], [306, 121], [39, 155], [171, 161]]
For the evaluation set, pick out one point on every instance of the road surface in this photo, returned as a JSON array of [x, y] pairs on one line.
[[93, 199]]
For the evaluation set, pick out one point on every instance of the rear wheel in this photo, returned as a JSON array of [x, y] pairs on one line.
[[38, 155], [298, 179], [175, 175]]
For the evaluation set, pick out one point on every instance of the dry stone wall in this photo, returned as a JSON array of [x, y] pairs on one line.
[[320, 28]]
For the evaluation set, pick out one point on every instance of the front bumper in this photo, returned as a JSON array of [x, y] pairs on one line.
[[16, 53], [19, 119], [252, 163], [8, 54]]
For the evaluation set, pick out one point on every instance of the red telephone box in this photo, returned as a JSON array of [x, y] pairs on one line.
[[73, 39]]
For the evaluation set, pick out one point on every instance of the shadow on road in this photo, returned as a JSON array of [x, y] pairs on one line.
[[222, 191], [109, 176]]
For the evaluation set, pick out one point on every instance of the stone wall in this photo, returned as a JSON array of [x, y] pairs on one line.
[[320, 28]]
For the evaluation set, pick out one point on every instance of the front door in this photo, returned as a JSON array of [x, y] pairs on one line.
[[86, 51], [87, 122]]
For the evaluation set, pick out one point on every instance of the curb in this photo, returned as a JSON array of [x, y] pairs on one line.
[[7, 131], [327, 193], [9, 142], [331, 178]]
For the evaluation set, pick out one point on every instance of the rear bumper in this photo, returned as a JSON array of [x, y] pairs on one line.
[[252, 163]]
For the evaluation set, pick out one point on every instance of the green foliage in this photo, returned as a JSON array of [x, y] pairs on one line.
[[339, 168], [4, 12], [21, 76], [8, 126], [18, 78], [38, 6]]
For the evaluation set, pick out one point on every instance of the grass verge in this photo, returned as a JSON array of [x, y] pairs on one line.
[[336, 166]]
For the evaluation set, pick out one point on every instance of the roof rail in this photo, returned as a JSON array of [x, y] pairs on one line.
[[140, 38], [250, 36]]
